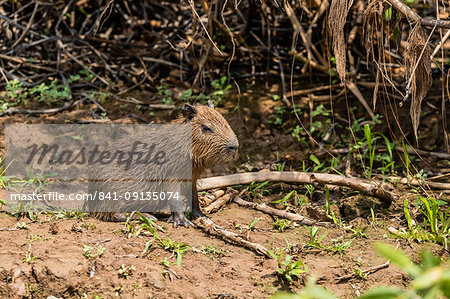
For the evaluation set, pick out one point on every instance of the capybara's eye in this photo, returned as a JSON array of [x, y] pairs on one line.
[[206, 129]]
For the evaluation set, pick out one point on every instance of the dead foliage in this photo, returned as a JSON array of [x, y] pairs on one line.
[[418, 72], [125, 45], [337, 18]]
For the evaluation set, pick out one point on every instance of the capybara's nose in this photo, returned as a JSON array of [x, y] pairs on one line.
[[232, 145]]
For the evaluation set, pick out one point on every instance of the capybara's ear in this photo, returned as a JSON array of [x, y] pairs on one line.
[[189, 111], [210, 104]]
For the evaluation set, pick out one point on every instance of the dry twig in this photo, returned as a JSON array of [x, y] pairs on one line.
[[210, 227], [278, 213]]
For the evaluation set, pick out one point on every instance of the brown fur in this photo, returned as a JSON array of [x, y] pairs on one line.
[[213, 141], [208, 149]]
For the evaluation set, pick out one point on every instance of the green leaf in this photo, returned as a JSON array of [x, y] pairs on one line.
[[429, 260], [397, 257], [428, 279], [368, 135], [382, 293], [186, 94], [179, 257], [314, 159], [317, 292], [407, 215], [261, 185], [284, 199], [388, 14], [253, 223], [223, 79], [288, 260], [272, 254], [445, 283], [147, 246]]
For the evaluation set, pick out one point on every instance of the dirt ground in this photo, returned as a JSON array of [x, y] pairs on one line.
[[60, 269], [58, 266]]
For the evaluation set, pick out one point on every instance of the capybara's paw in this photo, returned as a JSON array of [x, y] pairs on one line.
[[179, 219]]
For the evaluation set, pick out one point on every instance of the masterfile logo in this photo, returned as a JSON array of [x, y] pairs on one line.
[[105, 167]]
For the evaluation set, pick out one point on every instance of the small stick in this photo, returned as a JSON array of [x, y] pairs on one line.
[[324, 5], [5, 18], [191, 3], [368, 271], [221, 201], [91, 99], [201, 64], [173, 272], [62, 46], [210, 227], [447, 34], [278, 213], [312, 90], [160, 107], [354, 89], [414, 151], [27, 63], [93, 121], [30, 22], [298, 29], [283, 82], [92, 270], [160, 61], [438, 177], [415, 182], [312, 63]]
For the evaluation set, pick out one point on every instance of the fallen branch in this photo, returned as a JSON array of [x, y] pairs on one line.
[[221, 201], [365, 187], [278, 213], [210, 227], [13, 110]]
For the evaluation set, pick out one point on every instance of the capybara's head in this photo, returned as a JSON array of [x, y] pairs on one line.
[[213, 140]]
